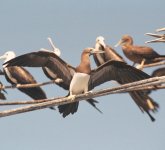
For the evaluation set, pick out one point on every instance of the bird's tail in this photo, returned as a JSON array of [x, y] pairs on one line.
[[145, 103], [93, 103]]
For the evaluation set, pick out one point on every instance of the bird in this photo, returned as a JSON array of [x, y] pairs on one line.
[[158, 72], [19, 75], [1, 72], [138, 54], [58, 68], [110, 70], [2, 91], [110, 54]]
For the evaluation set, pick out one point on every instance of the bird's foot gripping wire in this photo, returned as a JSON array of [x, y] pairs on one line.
[[72, 97]]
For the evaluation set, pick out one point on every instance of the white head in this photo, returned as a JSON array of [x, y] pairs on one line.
[[55, 49], [100, 42], [8, 56]]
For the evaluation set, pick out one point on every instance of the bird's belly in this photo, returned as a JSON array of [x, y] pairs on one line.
[[79, 83], [133, 57]]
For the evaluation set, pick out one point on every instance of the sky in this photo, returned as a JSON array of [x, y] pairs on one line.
[[74, 25]]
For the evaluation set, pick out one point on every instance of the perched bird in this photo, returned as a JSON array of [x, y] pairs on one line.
[[2, 96], [139, 54], [110, 54], [158, 72], [18, 75], [1, 72], [82, 78], [58, 68]]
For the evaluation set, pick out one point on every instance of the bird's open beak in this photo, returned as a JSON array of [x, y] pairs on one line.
[[119, 43], [159, 38], [161, 29]]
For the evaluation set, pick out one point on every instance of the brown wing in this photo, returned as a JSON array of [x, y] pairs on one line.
[[123, 73], [144, 52], [115, 70], [19, 75], [46, 59]]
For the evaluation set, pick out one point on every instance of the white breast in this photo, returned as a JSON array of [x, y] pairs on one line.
[[79, 83]]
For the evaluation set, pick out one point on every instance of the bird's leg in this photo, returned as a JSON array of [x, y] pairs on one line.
[[140, 67], [71, 96]]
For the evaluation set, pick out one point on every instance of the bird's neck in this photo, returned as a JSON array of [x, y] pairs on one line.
[[84, 66]]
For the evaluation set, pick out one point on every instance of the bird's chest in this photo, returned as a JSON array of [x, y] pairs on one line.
[[79, 83]]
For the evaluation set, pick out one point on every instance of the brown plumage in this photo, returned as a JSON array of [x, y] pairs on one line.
[[18, 75], [55, 68], [139, 97], [2, 95], [138, 54], [111, 70]]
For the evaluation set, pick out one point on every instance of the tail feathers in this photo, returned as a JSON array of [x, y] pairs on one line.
[[36, 93], [93, 103], [145, 103], [67, 109]]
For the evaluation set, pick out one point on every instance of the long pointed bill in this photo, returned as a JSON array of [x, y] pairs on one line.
[[161, 29], [156, 40], [154, 35], [119, 43], [94, 51], [103, 44]]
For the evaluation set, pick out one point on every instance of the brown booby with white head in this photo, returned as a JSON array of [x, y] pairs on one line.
[[111, 70], [139, 54], [18, 75], [110, 54]]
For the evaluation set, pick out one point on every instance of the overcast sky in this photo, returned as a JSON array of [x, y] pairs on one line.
[[74, 25]]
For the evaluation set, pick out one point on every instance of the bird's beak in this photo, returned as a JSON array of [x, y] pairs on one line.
[[3, 57], [103, 44], [119, 43], [156, 40], [161, 29], [159, 38], [154, 35], [94, 51]]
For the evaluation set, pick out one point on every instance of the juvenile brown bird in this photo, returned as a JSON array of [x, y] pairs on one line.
[[138, 54]]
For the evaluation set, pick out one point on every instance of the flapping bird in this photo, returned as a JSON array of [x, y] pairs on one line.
[[110, 54], [82, 78]]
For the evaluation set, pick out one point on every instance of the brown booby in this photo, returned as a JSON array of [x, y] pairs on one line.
[[110, 54], [157, 73], [18, 75], [2, 96], [111, 70], [138, 54]]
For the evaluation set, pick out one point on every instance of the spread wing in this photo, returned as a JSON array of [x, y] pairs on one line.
[[49, 60], [115, 70]]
